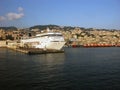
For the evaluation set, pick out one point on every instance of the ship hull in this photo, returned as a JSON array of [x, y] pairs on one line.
[[51, 45]]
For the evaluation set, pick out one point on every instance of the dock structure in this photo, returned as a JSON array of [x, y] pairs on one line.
[[44, 51], [27, 50], [36, 50]]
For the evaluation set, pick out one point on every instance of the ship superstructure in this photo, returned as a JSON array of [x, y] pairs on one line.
[[47, 40]]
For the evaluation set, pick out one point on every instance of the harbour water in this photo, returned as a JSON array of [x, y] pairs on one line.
[[76, 69]]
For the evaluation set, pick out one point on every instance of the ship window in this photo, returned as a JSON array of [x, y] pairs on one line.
[[50, 35], [55, 35], [42, 36]]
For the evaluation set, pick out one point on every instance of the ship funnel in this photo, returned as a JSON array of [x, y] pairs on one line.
[[48, 29]]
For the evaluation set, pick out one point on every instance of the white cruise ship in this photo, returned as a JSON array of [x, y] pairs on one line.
[[48, 40]]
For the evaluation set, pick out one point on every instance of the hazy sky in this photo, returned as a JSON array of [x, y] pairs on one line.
[[82, 13]]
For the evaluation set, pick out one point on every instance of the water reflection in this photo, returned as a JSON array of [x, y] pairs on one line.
[[77, 68]]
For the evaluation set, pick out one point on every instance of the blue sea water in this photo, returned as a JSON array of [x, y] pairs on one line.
[[75, 69]]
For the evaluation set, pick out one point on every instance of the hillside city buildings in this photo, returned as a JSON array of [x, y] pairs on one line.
[[76, 36]]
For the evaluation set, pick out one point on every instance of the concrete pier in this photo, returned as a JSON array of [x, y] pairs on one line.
[[36, 51], [13, 45], [44, 51]]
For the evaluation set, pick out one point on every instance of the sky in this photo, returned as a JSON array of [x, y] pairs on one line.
[[101, 14]]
